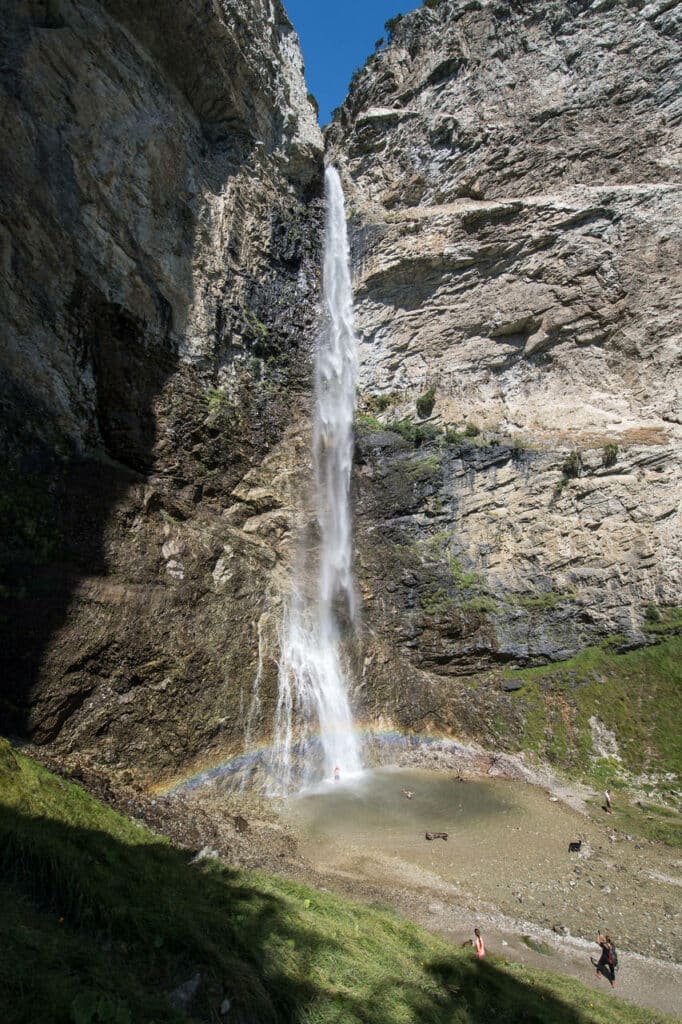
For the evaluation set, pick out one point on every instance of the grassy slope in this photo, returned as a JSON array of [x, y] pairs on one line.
[[101, 919], [638, 697]]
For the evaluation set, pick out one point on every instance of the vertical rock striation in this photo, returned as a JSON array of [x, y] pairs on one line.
[[159, 229]]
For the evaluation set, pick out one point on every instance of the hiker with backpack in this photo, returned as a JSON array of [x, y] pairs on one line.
[[608, 961]]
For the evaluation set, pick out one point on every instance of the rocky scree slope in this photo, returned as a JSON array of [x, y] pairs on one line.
[[159, 227], [513, 175]]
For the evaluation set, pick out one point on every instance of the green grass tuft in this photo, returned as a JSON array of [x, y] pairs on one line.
[[663, 620]]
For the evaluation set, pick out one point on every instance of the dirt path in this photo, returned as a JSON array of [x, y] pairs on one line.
[[644, 981]]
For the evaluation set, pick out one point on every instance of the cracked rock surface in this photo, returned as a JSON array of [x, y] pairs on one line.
[[159, 236], [513, 177]]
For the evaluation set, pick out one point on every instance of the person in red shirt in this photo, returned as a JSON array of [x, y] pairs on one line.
[[479, 944]]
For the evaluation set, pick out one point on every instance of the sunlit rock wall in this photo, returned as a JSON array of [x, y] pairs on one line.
[[513, 175]]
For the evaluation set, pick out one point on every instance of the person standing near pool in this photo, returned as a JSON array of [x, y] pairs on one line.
[[479, 944]]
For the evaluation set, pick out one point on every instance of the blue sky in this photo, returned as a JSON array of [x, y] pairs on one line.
[[336, 38]]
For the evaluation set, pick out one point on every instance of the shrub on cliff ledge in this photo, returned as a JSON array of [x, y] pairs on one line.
[[417, 433], [425, 403], [391, 25], [572, 465], [571, 468], [453, 436]]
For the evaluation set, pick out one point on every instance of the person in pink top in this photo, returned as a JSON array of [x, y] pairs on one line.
[[479, 944]]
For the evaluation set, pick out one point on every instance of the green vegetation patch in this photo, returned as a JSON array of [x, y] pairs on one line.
[[636, 695], [391, 25], [217, 401], [537, 945], [418, 433], [425, 403], [454, 437], [662, 620], [544, 601], [380, 402], [453, 588], [415, 433], [483, 604], [437, 602], [102, 920], [571, 468], [660, 824], [255, 326]]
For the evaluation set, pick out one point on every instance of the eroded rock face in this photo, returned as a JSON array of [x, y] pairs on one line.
[[512, 177], [161, 202], [513, 172]]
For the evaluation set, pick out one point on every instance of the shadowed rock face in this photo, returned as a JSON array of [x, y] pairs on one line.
[[514, 176], [159, 229]]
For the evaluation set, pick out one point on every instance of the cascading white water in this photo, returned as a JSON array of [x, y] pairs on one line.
[[313, 697]]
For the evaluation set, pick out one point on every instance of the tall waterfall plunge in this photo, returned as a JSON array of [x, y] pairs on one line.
[[313, 698]]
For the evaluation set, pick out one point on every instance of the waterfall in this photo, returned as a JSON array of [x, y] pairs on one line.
[[313, 698]]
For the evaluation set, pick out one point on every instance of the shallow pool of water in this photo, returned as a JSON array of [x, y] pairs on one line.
[[374, 805]]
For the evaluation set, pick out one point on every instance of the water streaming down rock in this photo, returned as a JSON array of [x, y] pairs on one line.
[[255, 705], [313, 695]]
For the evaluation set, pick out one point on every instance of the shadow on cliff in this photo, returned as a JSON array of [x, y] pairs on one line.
[[57, 504], [92, 918], [97, 281], [89, 348]]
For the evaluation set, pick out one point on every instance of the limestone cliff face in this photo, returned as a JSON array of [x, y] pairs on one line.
[[159, 230], [513, 172], [512, 178]]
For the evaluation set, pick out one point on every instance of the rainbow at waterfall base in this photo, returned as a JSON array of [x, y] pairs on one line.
[[230, 769]]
